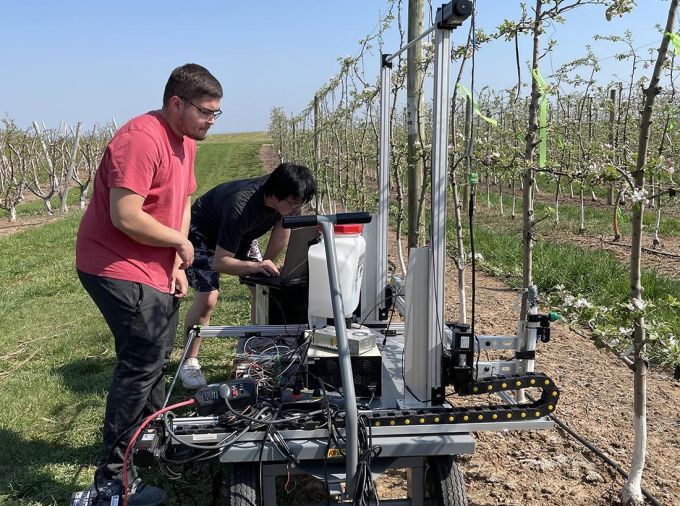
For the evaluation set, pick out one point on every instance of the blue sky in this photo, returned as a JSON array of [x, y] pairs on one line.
[[92, 60]]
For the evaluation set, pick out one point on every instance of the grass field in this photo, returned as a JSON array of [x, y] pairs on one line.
[[56, 353], [598, 220]]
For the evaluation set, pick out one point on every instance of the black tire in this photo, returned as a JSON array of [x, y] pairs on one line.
[[444, 483], [240, 485]]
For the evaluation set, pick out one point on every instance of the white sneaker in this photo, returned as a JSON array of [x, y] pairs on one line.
[[191, 374]]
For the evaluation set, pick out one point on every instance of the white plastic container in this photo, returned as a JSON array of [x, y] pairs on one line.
[[350, 248]]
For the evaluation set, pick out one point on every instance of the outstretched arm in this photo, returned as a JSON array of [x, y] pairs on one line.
[[278, 240], [225, 262], [128, 216]]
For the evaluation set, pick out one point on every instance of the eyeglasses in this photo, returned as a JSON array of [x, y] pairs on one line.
[[206, 113]]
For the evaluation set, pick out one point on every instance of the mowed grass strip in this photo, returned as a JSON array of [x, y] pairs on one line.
[[597, 219], [598, 276], [57, 355]]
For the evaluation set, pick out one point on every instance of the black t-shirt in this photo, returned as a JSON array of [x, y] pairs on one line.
[[232, 214]]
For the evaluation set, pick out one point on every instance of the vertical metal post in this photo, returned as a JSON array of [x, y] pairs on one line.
[[527, 337], [315, 154], [384, 176], [351, 411], [440, 135], [417, 343], [375, 270]]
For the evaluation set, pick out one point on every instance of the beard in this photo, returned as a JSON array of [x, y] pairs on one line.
[[193, 131], [198, 135]]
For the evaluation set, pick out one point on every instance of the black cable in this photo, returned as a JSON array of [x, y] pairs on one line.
[[261, 462], [228, 440], [364, 487], [329, 422], [283, 314], [271, 421], [377, 304], [471, 204], [127, 431]]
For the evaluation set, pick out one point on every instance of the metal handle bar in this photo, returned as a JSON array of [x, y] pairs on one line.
[[312, 220]]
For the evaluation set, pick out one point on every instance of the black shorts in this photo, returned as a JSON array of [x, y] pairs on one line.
[[201, 275]]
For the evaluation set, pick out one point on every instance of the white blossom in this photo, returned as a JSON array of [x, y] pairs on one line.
[[624, 331], [582, 303], [637, 305], [639, 195], [558, 287]]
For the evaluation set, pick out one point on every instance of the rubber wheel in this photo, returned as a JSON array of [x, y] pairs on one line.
[[444, 483], [240, 485]]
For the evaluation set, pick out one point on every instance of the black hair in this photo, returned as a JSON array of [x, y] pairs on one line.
[[290, 180], [191, 81]]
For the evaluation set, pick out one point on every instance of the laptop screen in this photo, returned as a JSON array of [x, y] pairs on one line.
[[295, 264]]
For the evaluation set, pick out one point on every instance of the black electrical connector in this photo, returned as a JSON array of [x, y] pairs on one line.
[[240, 393], [147, 450]]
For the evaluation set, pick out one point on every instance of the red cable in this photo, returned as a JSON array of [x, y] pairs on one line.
[[134, 438]]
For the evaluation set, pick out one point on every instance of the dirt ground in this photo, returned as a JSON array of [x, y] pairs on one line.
[[550, 467]]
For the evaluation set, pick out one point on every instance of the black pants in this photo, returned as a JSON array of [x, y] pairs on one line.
[[143, 322]]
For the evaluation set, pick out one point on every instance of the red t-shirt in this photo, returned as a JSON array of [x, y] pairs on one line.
[[146, 157]]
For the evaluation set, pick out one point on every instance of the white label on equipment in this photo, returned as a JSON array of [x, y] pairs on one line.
[[148, 437], [114, 500], [204, 437], [464, 342]]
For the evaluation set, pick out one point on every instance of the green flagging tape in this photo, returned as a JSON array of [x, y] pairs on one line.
[[675, 39], [475, 107], [543, 118]]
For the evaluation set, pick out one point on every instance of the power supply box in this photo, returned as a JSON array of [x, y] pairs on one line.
[[324, 364], [360, 339]]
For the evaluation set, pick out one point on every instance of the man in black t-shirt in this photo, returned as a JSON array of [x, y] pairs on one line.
[[225, 225]]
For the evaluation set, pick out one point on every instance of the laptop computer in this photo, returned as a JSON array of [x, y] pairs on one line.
[[295, 269]]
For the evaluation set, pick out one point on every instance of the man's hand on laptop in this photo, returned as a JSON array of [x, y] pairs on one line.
[[265, 267]]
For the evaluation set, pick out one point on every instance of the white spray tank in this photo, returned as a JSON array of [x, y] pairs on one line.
[[350, 249]]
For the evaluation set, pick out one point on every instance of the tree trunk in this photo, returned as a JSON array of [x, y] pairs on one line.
[[414, 104], [466, 132], [514, 200], [632, 493], [581, 211], [528, 177], [500, 199], [657, 223], [612, 124], [557, 200], [615, 220], [68, 174]]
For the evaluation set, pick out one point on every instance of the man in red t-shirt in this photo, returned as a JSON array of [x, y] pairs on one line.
[[131, 252]]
